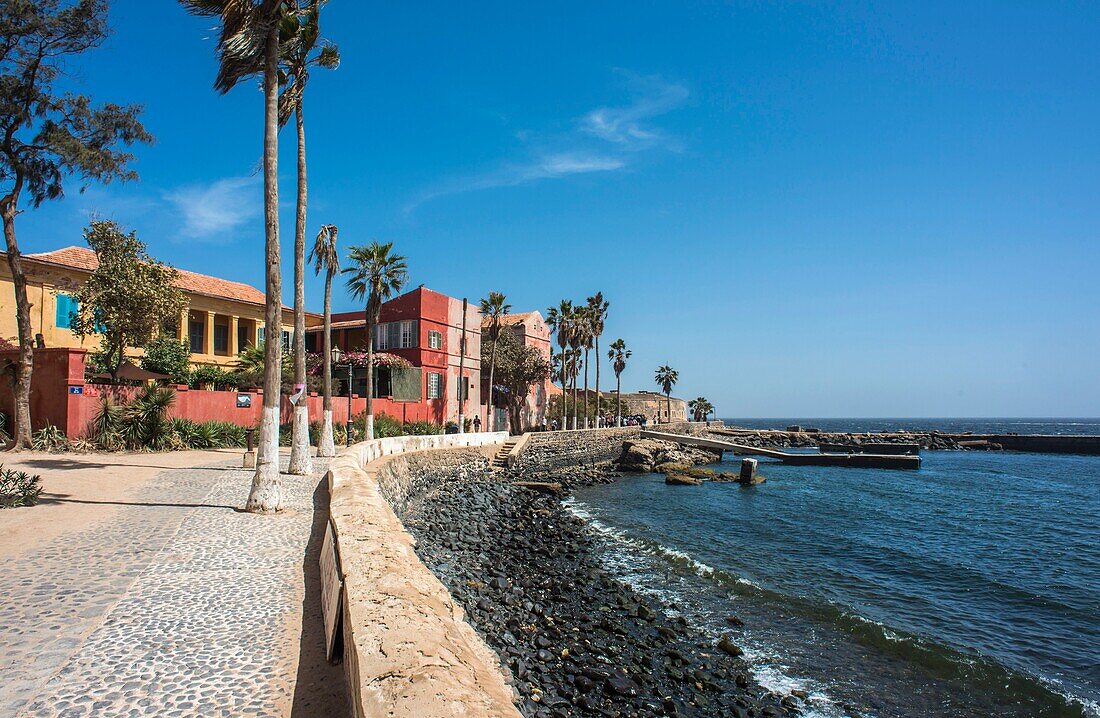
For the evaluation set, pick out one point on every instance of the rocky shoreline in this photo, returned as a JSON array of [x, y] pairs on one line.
[[575, 640]]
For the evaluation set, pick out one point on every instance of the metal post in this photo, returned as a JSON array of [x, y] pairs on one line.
[[462, 374], [348, 427]]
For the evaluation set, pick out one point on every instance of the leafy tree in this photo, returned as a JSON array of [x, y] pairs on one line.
[[667, 377], [249, 45], [618, 354], [376, 275], [47, 137], [304, 51], [128, 296], [494, 308], [519, 367], [597, 317], [168, 355], [325, 257]]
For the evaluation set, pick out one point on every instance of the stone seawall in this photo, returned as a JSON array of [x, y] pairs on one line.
[[408, 650]]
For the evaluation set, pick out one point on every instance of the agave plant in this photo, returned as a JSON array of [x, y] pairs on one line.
[[49, 438], [106, 428]]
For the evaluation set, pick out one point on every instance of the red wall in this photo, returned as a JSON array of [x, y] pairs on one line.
[[56, 370]]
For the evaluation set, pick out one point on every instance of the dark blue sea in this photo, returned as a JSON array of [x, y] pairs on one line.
[[968, 588]]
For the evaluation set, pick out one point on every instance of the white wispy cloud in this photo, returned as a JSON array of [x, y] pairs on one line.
[[629, 126], [605, 139], [209, 212]]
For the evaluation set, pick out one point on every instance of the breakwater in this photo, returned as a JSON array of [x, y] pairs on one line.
[[935, 440]]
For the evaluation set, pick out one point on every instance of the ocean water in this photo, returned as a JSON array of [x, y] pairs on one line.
[[968, 588]]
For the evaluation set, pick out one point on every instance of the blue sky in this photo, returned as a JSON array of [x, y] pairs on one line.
[[809, 209]]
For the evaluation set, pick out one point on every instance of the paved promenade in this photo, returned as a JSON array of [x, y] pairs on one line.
[[173, 604]]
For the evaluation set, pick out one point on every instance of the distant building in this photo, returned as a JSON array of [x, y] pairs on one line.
[[654, 404], [529, 329], [423, 327], [221, 319]]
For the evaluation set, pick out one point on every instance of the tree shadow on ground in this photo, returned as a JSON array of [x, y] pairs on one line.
[[319, 689], [47, 498], [66, 464]]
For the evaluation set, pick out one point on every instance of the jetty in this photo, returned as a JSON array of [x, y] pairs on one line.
[[866, 461]]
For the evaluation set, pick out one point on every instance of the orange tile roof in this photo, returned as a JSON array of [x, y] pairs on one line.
[[85, 260], [510, 319]]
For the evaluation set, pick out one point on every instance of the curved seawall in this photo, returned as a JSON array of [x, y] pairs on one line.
[[407, 648]]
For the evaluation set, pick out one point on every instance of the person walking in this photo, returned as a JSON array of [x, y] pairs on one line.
[[477, 424]]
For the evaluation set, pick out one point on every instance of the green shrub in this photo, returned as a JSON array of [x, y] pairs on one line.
[[384, 426], [49, 438], [422, 428], [167, 355], [18, 488], [208, 374]]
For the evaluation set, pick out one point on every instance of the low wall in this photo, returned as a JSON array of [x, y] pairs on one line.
[[408, 651]]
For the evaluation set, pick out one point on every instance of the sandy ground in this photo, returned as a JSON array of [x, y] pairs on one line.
[[81, 490]]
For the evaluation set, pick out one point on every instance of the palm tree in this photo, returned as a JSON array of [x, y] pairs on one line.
[[667, 377], [248, 45], [597, 307], [700, 408], [324, 256], [618, 354], [494, 308], [377, 275], [584, 327], [558, 319], [576, 340], [573, 371], [298, 58]]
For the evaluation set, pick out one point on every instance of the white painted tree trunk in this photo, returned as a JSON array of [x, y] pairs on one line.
[[326, 445], [266, 495], [301, 463], [369, 430]]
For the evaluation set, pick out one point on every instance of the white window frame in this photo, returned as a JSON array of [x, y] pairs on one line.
[[381, 337], [435, 339], [435, 385], [408, 334]]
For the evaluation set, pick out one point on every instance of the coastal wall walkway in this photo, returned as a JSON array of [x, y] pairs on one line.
[[407, 650], [869, 461]]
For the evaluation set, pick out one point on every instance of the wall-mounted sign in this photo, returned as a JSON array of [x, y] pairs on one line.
[[76, 390], [244, 401]]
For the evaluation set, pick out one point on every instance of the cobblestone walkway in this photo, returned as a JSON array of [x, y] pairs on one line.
[[179, 606]]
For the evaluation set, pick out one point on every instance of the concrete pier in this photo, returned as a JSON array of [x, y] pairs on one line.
[[867, 461]]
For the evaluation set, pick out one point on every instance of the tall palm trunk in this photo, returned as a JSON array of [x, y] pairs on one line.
[[492, 409], [327, 447], [368, 421], [586, 389], [618, 399], [574, 423], [21, 431], [266, 492], [599, 413], [300, 461], [564, 392]]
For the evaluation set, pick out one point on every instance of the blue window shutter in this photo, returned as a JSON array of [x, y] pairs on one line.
[[66, 307]]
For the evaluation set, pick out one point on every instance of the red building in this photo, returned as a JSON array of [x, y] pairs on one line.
[[423, 327]]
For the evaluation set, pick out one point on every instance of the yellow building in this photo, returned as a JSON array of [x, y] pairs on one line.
[[222, 317]]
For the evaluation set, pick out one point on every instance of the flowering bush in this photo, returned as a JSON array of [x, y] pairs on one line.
[[381, 359]]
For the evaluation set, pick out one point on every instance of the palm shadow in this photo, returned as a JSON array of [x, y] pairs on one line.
[[319, 687]]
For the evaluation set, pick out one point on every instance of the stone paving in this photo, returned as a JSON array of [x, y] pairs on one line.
[[178, 606]]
